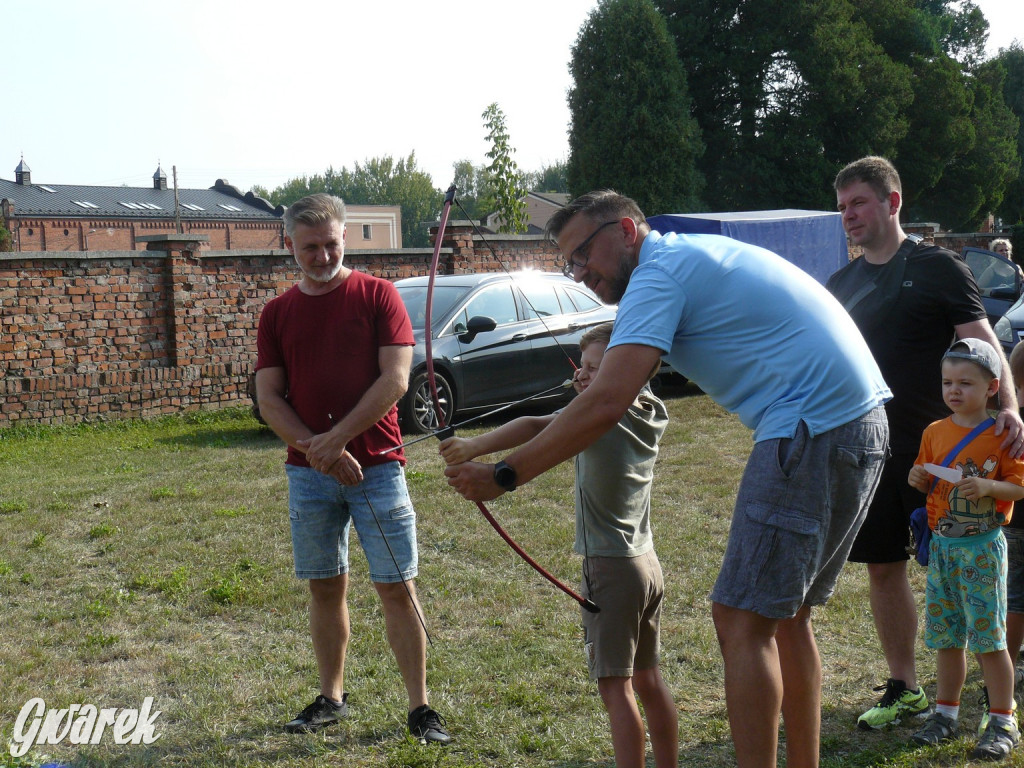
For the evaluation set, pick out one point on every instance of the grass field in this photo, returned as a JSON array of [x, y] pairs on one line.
[[154, 559]]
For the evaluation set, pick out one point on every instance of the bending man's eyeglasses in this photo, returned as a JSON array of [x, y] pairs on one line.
[[581, 253]]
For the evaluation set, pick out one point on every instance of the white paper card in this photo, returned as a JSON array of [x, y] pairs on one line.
[[952, 474]]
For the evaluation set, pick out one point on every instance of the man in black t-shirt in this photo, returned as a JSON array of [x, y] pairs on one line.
[[910, 301]]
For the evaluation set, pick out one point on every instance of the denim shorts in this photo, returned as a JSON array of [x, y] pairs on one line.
[[1014, 567], [965, 602], [321, 511], [800, 504]]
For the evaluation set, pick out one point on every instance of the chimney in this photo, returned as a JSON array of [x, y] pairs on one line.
[[23, 174], [159, 178]]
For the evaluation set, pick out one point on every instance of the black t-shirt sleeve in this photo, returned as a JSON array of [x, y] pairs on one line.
[[954, 287]]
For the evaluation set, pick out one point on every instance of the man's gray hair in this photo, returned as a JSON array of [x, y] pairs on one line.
[[601, 204], [313, 210]]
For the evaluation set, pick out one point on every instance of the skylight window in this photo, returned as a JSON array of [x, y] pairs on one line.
[[133, 206], [192, 207], [46, 188], [229, 207], [84, 204]]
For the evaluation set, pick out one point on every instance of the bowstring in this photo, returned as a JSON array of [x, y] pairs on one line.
[[455, 200], [401, 575], [394, 560], [515, 282]]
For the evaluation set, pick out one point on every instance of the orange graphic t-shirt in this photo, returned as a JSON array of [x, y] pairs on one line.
[[949, 513]]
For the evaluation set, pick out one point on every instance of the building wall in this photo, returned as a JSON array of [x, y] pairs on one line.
[[110, 334], [84, 234], [539, 211], [50, 235], [384, 223]]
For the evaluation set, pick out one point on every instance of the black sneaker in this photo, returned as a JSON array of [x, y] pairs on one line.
[[322, 712], [426, 725]]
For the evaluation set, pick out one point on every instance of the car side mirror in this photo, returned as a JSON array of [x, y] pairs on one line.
[[476, 325]]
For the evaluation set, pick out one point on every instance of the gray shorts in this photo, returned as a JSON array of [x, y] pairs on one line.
[[799, 507], [1014, 566]]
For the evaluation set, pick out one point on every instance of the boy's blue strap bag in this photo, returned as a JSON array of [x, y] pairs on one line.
[[919, 517]]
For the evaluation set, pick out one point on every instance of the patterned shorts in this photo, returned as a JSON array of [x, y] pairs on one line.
[[965, 604]]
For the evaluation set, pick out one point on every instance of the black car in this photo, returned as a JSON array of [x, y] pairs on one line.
[[1000, 283], [497, 338], [998, 278]]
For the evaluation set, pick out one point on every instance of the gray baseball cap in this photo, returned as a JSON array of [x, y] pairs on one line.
[[977, 351]]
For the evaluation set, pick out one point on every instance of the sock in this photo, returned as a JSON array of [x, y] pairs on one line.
[[950, 709], [1002, 718]]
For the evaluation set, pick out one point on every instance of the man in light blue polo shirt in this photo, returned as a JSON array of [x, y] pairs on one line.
[[767, 342]]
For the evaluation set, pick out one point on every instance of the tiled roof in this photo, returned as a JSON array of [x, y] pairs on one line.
[[555, 198], [222, 201]]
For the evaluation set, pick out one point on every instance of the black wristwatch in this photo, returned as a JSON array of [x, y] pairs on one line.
[[505, 476]]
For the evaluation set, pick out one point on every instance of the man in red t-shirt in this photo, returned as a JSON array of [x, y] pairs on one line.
[[334, 353]]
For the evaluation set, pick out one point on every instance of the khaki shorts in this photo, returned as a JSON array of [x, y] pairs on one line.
[[625, 635]]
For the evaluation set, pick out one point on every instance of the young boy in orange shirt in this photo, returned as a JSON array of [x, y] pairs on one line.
[[966, 594]]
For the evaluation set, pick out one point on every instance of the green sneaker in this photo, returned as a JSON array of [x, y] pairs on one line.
[[985, 713], [896, 703]]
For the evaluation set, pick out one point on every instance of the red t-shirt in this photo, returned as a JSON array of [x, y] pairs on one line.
[[328, 346]]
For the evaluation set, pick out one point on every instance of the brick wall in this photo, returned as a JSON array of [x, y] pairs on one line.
[[954, 241], [98, 335], [124, 333]]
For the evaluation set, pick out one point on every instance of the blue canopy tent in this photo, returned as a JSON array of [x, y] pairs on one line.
[[813, 240]]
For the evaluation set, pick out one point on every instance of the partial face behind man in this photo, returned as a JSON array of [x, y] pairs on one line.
[[319, 249]]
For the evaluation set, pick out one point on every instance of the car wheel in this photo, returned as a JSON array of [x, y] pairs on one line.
[[418, 406]]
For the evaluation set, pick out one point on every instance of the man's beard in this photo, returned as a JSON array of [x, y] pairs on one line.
[[618, 284], [324, 274]]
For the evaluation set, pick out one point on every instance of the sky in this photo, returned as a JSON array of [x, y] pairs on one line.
[[259, 92]]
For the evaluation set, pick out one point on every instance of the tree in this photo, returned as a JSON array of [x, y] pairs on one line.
[[631, 128], [787, 93], [475, 192], [974, 181], [508, 183], [550, 178], [780, 91], [383, 181], [379, 181], [297, 188], [6, 241], [1011, 60]]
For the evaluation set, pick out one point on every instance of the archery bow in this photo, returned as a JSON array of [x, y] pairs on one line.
[[449, 198], [449, 431]]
